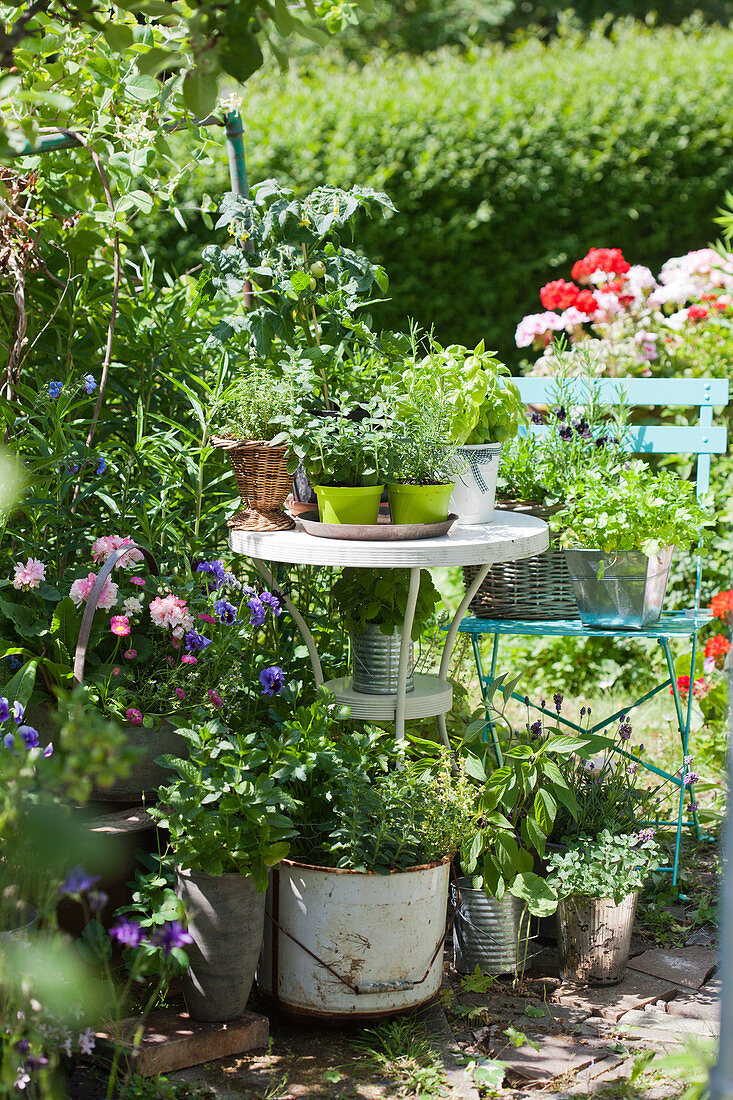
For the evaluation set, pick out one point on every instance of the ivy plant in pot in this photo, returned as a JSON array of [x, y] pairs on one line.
[[519, 788], [482, 407], [358, 909], [619, 535], [597, 882], [247, 421], [224, 813], [344, 460], [372, 604]]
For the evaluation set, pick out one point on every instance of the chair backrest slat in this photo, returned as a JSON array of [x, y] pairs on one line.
[[667, 439], [668, 392]]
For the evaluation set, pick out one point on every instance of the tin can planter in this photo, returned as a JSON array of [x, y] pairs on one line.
[[348, 504], [628, 593], [376, 661], [419, 503], [488, 932], [145, 775], [347, 945], [594, 938], [474, 494], [225, 918]]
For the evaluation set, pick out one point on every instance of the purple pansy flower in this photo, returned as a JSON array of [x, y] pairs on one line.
[[172, 934], [226, 611], [18, 712], [257, 610], [48, 751], [196, 642], [4, 709], [30, 736], [9, 741], [127, 932], [272, 680], [216, 574], [78, 881], [271, 601]]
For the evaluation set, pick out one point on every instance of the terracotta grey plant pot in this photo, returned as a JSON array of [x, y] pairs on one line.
[[226, 918], [594, 938], [146, 776]]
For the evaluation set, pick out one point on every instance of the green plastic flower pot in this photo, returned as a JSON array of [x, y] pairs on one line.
[[419, 503], [339, 504]]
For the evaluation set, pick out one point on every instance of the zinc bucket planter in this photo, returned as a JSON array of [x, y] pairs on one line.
[[145, 775], [491, 933], [376, 661], [225, 918], [628, 593], [347, 945], [348, 504], [594, 938], [474, 494], [419, 503]]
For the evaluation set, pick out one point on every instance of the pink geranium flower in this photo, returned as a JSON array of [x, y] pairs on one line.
[[29, 575], [120, 625], [103, 547], [133, 716], [81, 588], [171, 611]]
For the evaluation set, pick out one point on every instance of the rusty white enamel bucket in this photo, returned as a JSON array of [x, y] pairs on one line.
[[345, 945]]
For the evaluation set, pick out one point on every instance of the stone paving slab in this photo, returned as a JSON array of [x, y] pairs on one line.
[[687, 966], [612, 1002], [701, 1005], [657, 1027], [557, 1055]]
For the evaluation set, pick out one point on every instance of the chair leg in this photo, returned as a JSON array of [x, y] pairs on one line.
[[489, 728]]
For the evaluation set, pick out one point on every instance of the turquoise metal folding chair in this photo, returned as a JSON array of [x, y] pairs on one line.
[[701, 441]]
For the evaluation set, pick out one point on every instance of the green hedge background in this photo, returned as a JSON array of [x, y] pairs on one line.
[[505, 164]]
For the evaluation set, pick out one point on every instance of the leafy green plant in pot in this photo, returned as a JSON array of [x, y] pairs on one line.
[[247, 421], [619, 535], [423, 469], [597, 882], [373, 604], [372, 860], [482, 409], [344, 460], [519, 789], [224, 813]]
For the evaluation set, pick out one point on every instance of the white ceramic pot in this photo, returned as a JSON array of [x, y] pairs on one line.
[[475, 489]]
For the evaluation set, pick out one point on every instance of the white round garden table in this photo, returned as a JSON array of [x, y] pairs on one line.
[[509, 537]]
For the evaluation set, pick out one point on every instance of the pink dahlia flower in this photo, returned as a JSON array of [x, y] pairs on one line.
[[105, 546]]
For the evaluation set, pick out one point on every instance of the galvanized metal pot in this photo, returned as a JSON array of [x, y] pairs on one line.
[[376, 660], [490, 933], [145, 775], [348, 945], [630, 591], [475, 490], [225, 918], [594, 938]]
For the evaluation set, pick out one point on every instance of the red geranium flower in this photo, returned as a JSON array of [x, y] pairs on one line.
[[697, 313], [586, 302], [717, 646], [559, 294], [722, 604], [683, 686], [600, 259]]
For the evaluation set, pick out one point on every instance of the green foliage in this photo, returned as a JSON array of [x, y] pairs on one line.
[[366, 596], [503, 166], [136, 1087], [607, 867], [338, 450], [223, 811], [637, 509], [477, 402], [251, 407]]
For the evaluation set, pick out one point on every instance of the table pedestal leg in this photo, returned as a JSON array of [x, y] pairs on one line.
[[296, 617], [450, 640], [405, 653]]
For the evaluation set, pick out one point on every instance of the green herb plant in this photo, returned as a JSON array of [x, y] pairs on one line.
[[607, 866], [379, 596], [340, 450], [638, 510], [252, 405]]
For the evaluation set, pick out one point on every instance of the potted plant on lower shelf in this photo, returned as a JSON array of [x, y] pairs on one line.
[[248, 424], [356, 915], [372, 604], [597, 882], [482, 408], [619, 535], [227, 828]]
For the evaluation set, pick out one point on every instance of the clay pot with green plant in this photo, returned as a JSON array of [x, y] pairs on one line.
[[372, 604]]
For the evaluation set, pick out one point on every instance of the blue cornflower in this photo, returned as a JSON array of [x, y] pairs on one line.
[[217, 573], [271, 601], [30, 736], [18, 712], [4, 709], [226, 611], [272, 680], [9, 741], [172, 934], [54, 389], [78, 881], [196, 642], [257, 609], [90, 383], [101, 465]]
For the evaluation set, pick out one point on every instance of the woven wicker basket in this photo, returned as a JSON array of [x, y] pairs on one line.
[[537, 589], [261, 472]]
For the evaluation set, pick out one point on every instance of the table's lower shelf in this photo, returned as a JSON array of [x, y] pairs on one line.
[[432, 696]]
